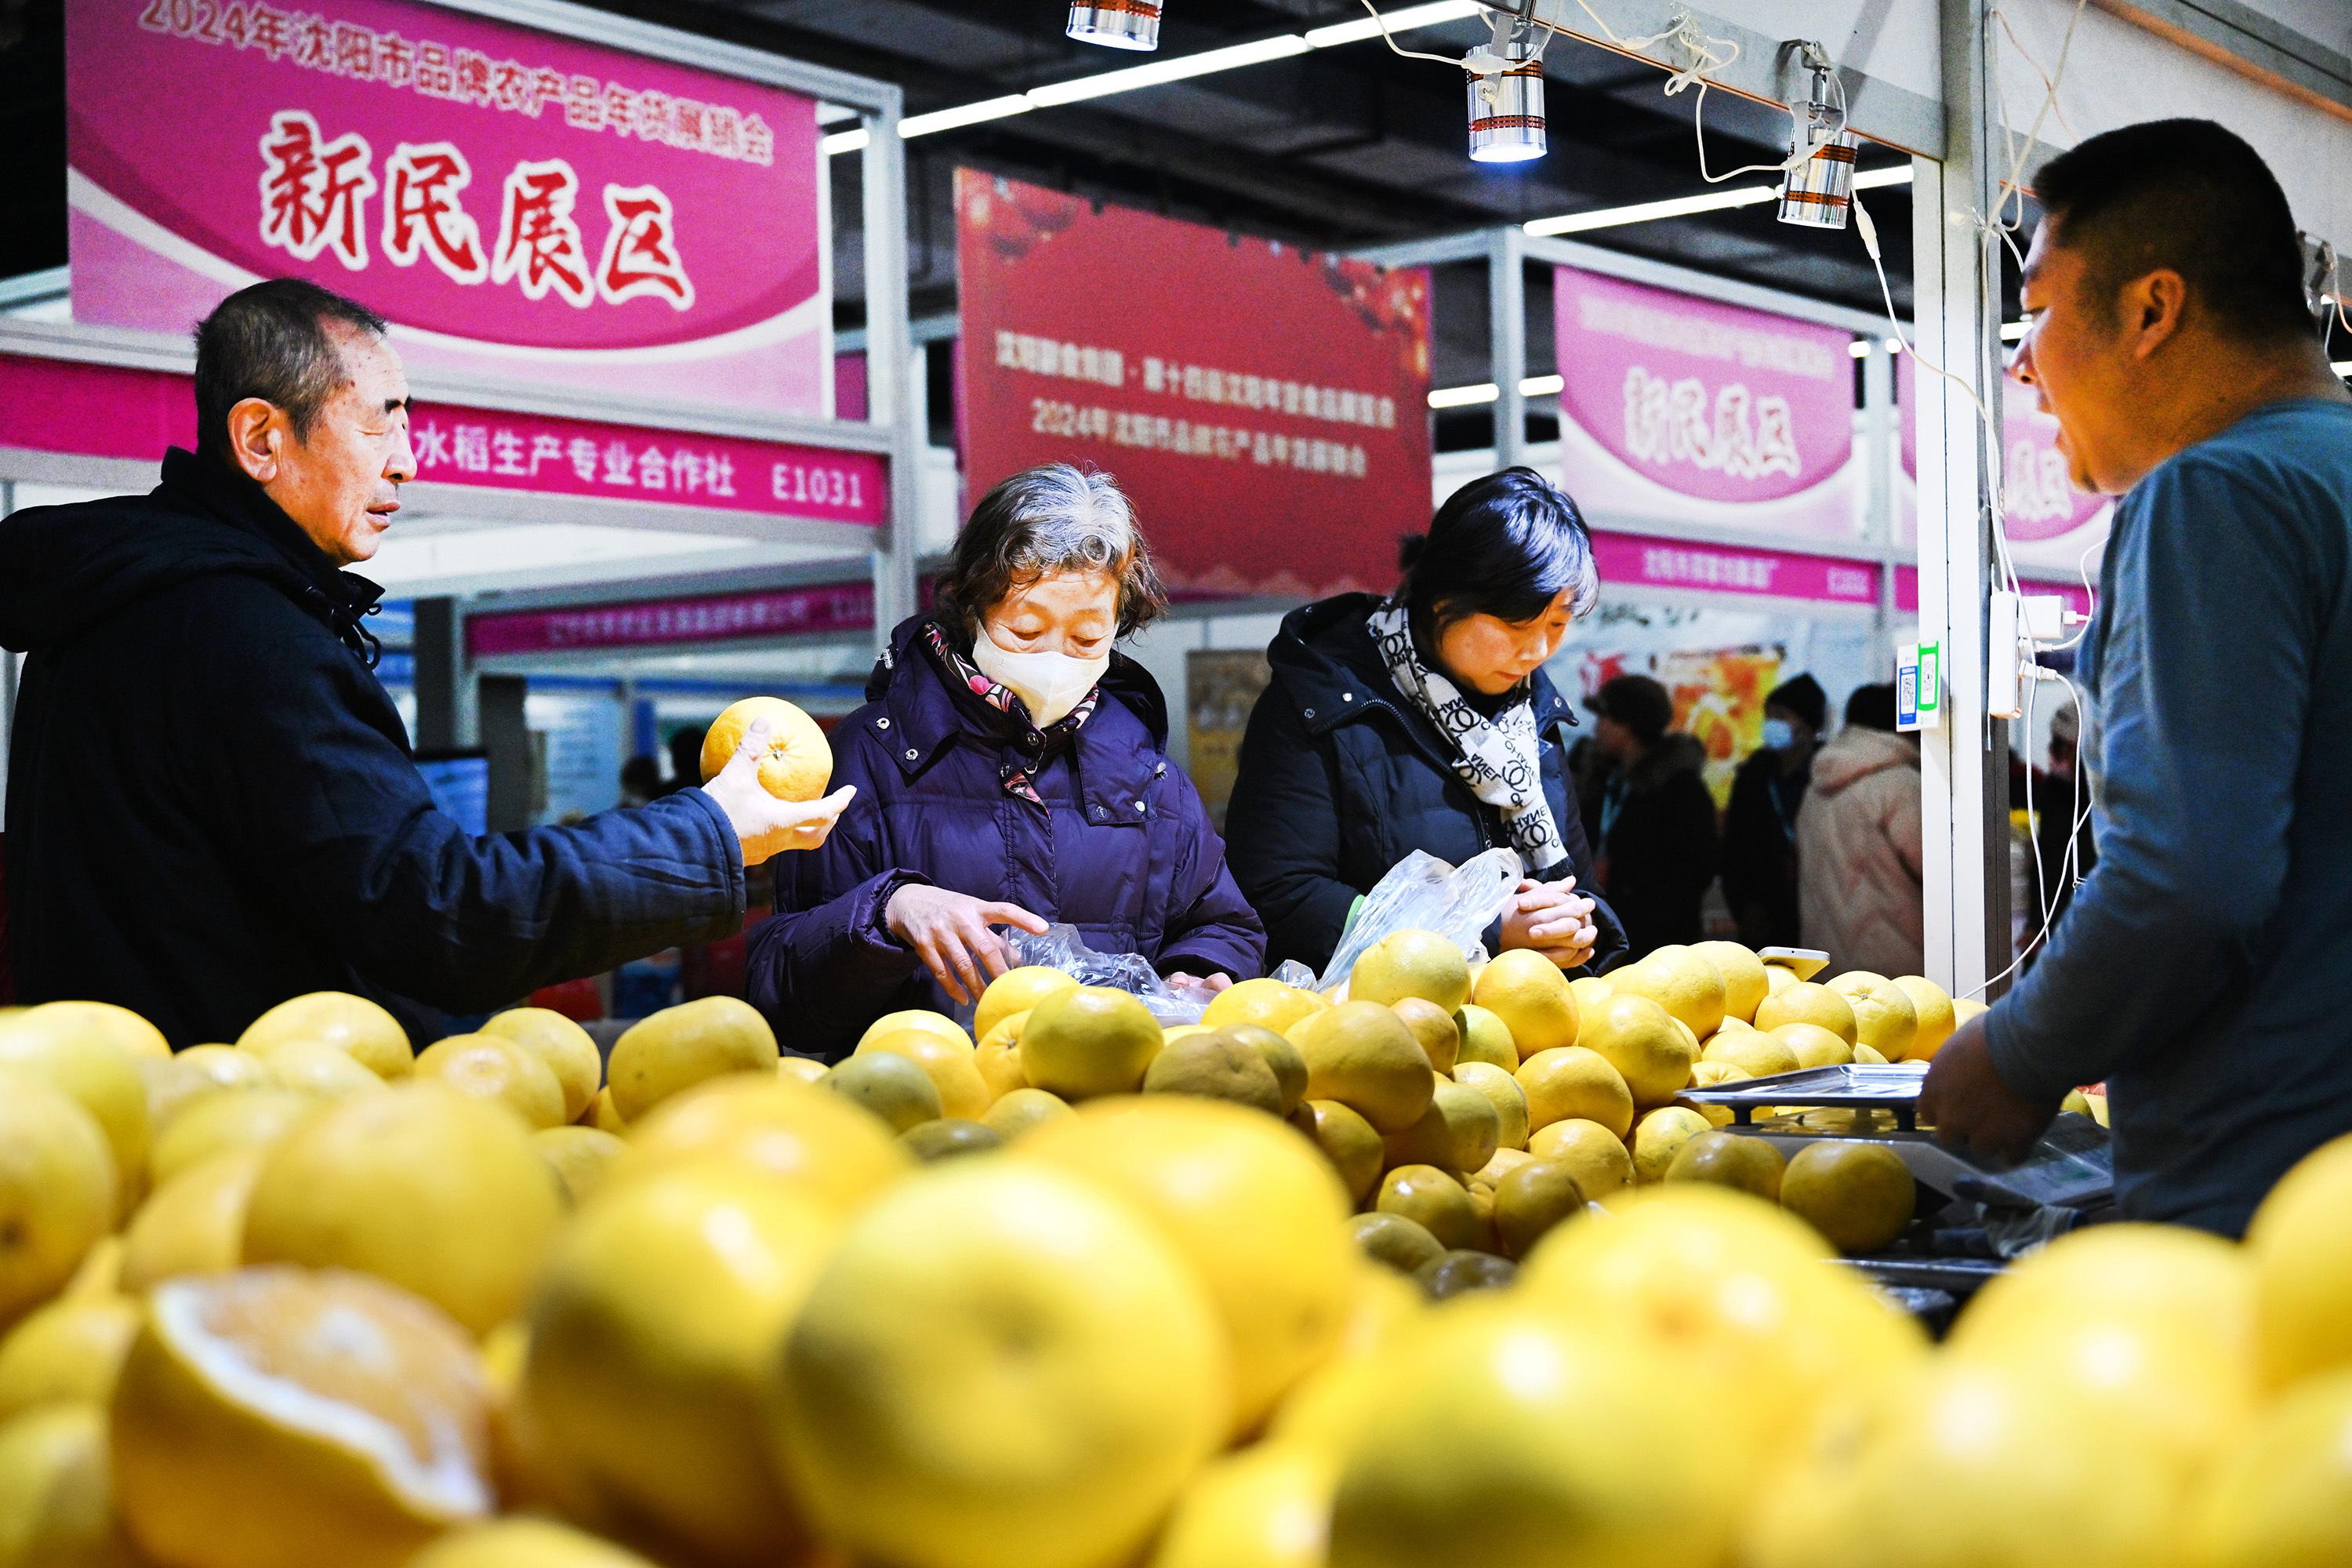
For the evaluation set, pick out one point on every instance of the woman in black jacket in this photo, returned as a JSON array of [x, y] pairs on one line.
[[1425, 722]]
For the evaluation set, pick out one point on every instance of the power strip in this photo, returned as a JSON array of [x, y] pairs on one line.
[[2019, 624]]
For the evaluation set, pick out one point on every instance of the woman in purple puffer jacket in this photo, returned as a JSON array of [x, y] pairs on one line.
[[1012, 769]]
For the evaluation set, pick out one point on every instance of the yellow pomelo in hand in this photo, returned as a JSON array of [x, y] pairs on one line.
[[280, 1418], [370, 1034], [1512, 1117], [132, 1035], [1087, 1041], [524, 1543], [194, 1223], [1022, 1109], [1016, 991], [1574, 1082], [1485, 1039], [1938, 1017], [1433, 1199], [563, 1045], [1250, 1208], [1269, 1506], [938, 1024], [1351, 1143], [420, 1185], [1362, 1055], [2282, 1498], [1527, 992], [798, 763], [65, 1352], [1595, 1156], [1745, 983], [1268, 1004], [1681, 981], [2302, 1252], [1813, 1045], [57, 1492], [1757, 1053], [1459, 1131], [89, 1068], [1729, 1160], [1803, 1002], [1440, 1036], [492, 1069], [1000, 1367], [1510, 1439], [580, 1157], [56, 1191], [963, 1093], [1643, 1042], [653, 1337], [1858, 1195], [1411, 963], [681, 1047], [1660, 1136], [222, 1123], [808, 1137]]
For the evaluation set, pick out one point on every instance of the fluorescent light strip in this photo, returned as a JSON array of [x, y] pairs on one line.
[[1157, 73], [2342, 367], [1686, 206], [1488, 392]]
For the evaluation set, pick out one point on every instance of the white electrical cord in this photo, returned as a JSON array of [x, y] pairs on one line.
[[2082, 813], [1398, 49]]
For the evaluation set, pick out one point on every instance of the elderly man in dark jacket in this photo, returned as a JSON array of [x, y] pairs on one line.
[[1648, 810], [212, 804]]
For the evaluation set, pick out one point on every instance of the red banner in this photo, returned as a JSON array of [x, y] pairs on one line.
[[1266, 407]]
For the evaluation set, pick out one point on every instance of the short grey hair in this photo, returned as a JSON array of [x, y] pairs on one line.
[[272, 340], [1054, 518]]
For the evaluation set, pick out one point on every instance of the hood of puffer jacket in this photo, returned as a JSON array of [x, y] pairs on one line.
[[1857, 754]]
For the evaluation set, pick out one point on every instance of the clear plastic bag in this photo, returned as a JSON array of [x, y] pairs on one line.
[[1061, 947], [1421, 892]]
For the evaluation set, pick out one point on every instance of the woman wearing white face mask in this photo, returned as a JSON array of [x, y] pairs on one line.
[[1011, 771]]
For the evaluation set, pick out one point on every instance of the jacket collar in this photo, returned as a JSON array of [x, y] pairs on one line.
[[1332, 668], [342, 599]]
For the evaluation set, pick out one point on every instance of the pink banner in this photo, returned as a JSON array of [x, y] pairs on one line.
[[718, 617], [1673, 405], [2050, 522], [1628, 560], [519, 202], [94, 410]]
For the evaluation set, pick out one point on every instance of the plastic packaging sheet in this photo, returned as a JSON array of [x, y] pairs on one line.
[[1064, 949], [1421, 892]]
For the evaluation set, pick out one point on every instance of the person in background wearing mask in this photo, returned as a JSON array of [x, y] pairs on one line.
[[1646, 806], [1760, 830], [1425, 722], [1859, 851], [1012, 769]]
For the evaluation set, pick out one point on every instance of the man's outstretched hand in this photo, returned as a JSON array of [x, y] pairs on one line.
[[763, 823], [1973, 1110]]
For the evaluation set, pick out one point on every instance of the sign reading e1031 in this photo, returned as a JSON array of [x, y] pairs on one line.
[[801, 483]]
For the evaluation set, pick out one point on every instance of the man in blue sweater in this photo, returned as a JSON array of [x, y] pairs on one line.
[[2201, 969]]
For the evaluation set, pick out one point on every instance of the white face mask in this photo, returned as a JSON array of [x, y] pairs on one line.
[[1050, 684]]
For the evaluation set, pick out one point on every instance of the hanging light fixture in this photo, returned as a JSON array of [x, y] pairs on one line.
[[1116, 24], [1506, 92], [1817, 181]]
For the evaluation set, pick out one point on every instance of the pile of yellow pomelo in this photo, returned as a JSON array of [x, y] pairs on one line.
[[1438, 1274]]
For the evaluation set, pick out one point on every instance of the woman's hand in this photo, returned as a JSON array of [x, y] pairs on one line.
[[1197, 985], [1550, 919], [765, 824], [950, 932]]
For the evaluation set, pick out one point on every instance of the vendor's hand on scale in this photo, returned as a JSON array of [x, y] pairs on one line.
[[765, 824], [1551, 918]]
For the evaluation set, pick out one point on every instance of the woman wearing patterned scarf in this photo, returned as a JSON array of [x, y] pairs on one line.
[[1012, 769], [1425, 720]]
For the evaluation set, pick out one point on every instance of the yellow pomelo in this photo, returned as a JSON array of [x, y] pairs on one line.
[[1210, 1063], [1269, 1506], [1595, 1156], [1681, 981], [798, 762], [1883, 1017], [895, 1089], [1087, 1041], [1411, 963], [1006, 1034], [1510, 1439], [90, 1068], [283, 1418], [1936, 1014], [653, 1337], [799, 1069], [2301, 1248], [1533, 1196], [1432, 1198], [1329, 1407], [1589, 991], [963, 1093], [136, 1037], [1778, 978], [1858, 1195], [1868, 1054], [170, 1087], [1021, 1109], [493, 1068], [1660, 1135], [1503, 1164], [1459, 1131], [604, 1117], [225, 1066], [1745, 984], [1282, 1056], [1395, 1242], [580, 1157], [1757, 1053], [1440, 1036], [222, 1123], [321, 1070], [65, 1352], [1811, 1045], [1485, 1039], [56, 1191], [938, 1024], [1000, 1367], [1362, 1055], [1730, 1160], [1964, 1009], [681, 1047], [1266, 1002], [524, 1543], [57, 1491], [1575, 1081], [2282, 1498], [1643, 1042], [1249, 1207], [194, 1223], [1513, 1119], [809, 1137], [372, 1035], [1016, 991], [999, 1066], [1527, 992], [1351, 1143], [1707, 1074], [1803, 1002], [525, 1469], [420, 1185], [563, 1045]]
